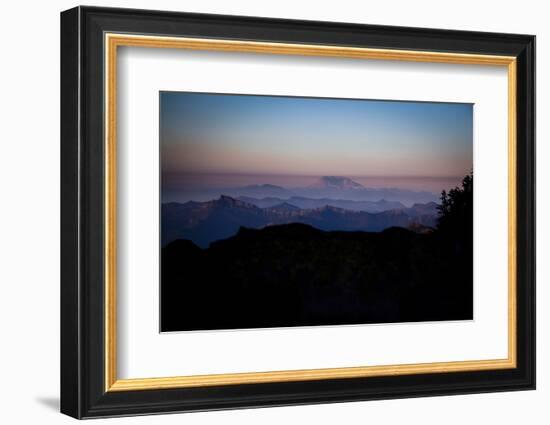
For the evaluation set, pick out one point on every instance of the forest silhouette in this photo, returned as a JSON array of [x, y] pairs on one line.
[[297, 275]]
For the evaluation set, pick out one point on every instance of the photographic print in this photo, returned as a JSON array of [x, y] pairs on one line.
[[306, 236], [281, 211]]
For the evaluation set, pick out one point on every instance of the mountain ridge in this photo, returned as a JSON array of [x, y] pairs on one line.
[[205, 222], [304, 202], [297, 275]]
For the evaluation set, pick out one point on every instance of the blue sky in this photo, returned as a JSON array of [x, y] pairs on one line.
[[242, 134]]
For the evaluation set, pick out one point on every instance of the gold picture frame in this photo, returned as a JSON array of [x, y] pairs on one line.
[[114, 41]]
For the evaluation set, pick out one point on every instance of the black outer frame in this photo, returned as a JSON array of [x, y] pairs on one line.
[[82, 218]]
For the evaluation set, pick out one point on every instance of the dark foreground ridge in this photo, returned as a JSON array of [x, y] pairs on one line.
[[296, 275]]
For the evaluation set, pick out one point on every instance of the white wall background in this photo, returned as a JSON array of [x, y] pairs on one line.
[[29, 216]]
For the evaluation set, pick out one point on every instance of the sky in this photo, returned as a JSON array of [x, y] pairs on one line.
[[220, 134]]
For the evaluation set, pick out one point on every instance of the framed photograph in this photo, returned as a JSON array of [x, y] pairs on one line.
[[261, 212]]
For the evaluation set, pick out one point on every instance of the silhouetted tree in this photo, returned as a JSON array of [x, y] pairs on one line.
[[455, 219], [454, 236]]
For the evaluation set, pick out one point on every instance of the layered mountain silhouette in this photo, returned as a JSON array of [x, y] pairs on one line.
[[325, 187], [206, 222], [277, 261], [309, 203], [283, 207], [297, 275]]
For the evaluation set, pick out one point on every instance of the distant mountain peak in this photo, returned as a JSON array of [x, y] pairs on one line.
[[431, 204], [284, 206], [336, 182], [228, 201], [264, 186], [225, 198]]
